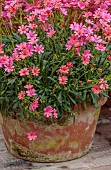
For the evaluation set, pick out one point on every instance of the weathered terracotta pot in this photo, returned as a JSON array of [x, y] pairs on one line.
[[55, 142]]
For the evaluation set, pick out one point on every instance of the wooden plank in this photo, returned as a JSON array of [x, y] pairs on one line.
[[99, 158], [102, 168]]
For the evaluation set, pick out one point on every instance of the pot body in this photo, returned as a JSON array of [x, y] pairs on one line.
[[55, 142]]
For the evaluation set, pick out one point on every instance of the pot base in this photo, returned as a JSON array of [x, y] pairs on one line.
[[23, 153]]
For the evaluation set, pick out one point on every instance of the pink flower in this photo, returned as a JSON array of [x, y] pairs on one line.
[[108, 32], [78, 28], [9, 68], [103, 22], [48, 111], [103, 84], [43, 18], [89, 81], [64, 69], [87, 14], [96, 89], [109, 58], [55, 113], [31, 92], [30, 17], [106, 16], [21, 46], [32, 135], [33, 40], [63, 80], [31, 35], [24, 53], [100, 47], [30, 48], [1, 62], [21, 95], [81, 5], [51, 33], [97, 14], [78, 51], [35, 71], [88, 31], [5, 60], [39, 49], [46, 26], [24, 72], [87, 52], [28, 86], [107, 50], [23, 29], [16, 56], [73, 41], [33, 106], [32, 26], [89, 21], [64, 11], [94, 65], [69, 64], [85, 59], [10, 62], [1, 49]]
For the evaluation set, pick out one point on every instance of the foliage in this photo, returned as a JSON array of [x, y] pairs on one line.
[[53, 55]]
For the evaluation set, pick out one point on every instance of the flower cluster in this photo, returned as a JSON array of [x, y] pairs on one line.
[[48, 112], [54, 55], [64, 69], [100, 87]]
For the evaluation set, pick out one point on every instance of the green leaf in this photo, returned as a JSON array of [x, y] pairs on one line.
[[67, 108], [21, 110], [5, 40], [15, 105], [38, 82], [85, 87], [83, 104], [17, 37], [2, 92], [11, 81], [73, 101], [73, 92], [52, 79], [105, 94], [102, 60], [84, 95], [59, 95], [94, 100]]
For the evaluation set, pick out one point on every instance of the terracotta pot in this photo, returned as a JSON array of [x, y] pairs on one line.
[[57, 142]]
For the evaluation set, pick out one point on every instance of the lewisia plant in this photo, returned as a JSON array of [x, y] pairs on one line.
[[54, 54]]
